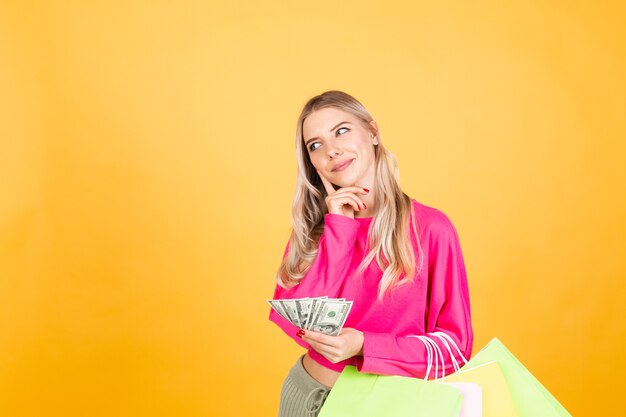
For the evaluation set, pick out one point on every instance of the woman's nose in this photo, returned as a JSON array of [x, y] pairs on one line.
[[333, 153]]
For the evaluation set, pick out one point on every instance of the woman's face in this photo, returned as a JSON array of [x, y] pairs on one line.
[[340, 147]]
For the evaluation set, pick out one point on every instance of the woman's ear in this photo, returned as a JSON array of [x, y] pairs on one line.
[[374, 132]]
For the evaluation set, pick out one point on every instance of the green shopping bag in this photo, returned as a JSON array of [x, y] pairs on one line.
[[530, 398], [370, 395]]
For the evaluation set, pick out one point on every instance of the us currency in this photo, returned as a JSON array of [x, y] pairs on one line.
[[315, 302], [330, 317], [278, 308], [319, 314], [289, 306], [315, 308]]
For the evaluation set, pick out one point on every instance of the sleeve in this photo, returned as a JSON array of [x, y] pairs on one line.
[[448, 311], [328, 272]]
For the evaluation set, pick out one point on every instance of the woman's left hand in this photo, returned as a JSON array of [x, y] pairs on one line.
[[348, 343]]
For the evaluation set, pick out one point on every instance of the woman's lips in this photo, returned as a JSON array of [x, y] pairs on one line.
[[344, 166]]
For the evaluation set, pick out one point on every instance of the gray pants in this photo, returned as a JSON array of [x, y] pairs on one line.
[[301, 395]]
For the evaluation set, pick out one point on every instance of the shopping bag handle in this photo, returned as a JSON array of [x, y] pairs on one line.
[[443, 337], [435, 355]]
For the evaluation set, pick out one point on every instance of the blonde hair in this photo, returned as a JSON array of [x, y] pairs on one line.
[[388, 234]]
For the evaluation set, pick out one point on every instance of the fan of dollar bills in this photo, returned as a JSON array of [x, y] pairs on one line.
[[320, 314]]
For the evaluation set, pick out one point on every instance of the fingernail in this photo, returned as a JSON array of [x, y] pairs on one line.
[[300, 333], [364, 206], [366, 190]]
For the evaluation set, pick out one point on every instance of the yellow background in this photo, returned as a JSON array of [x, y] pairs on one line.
[[147, 168]]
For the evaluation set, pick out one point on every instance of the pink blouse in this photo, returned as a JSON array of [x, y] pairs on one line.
[[436, 300]]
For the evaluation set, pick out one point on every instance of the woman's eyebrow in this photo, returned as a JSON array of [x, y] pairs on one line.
[[333, 128]]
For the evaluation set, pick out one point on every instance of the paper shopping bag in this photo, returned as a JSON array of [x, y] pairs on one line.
[[472, 398], [471, 391], [369, 395], [496, 398], [531, 399]]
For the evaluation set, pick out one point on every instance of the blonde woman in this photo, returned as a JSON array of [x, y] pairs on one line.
[[357, 236]]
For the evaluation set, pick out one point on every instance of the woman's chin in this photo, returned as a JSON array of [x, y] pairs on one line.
[[346, 181]]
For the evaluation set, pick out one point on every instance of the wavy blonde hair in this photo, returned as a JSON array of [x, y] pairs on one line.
[[388, 234]]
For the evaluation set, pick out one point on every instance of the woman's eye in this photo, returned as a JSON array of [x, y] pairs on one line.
[[311, 148]]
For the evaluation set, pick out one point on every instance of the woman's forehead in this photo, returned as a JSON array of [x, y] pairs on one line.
[[323, 120]]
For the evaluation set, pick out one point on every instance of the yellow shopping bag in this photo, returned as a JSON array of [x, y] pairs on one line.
[[497, 400], [530, 397]]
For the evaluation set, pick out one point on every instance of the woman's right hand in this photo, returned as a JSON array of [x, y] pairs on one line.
[[343, 201]]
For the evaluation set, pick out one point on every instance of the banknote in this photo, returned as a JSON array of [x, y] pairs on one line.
[[330, 317], [320, 314], [278, 308], [289, 306], [303, 309]]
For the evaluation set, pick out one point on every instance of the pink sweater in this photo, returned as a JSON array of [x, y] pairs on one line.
[[437, 300]]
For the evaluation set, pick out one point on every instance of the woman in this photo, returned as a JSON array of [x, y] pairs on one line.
[[348, 210]]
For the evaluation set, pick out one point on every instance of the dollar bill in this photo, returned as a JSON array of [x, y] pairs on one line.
[[290, 308], [314, 309], [330, 316], [320, 314], [275, 304], [303, 309], [314, 303]]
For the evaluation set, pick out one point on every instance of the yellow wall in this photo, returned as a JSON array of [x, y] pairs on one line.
[[147, 168]]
